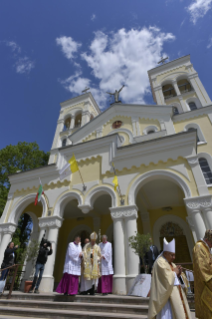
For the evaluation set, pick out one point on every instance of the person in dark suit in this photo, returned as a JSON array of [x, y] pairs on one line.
[[150, 256], [9, 258]]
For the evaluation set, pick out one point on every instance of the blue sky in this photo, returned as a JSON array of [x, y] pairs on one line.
[[50, 50]]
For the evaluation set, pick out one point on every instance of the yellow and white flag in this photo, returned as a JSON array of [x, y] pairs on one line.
[[115, 182], [70, 167]]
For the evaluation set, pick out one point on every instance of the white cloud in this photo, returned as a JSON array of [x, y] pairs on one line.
[[122, 57], [209, 43], [93, 17], [14, 46], [198, 9], [68, 46], [24, 65]]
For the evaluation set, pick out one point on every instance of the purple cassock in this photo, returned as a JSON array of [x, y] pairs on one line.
[[106, 281], [72, 271]]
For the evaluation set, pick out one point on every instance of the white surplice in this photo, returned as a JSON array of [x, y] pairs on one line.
[[72, 261], [166, 311], [106, 264]]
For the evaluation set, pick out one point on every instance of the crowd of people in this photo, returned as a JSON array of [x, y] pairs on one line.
[[93, 265]]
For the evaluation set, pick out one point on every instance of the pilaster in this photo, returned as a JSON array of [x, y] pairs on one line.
[[52, 224], [198, 175]]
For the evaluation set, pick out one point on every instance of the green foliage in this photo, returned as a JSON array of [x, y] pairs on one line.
[[23, 156], [140, 243], [30, 253], [22, 235]]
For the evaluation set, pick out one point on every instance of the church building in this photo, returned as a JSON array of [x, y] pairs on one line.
[[163, 159]]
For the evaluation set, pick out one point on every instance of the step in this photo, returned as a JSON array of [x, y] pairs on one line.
[[109, 299], [63, 314], [76, 306]]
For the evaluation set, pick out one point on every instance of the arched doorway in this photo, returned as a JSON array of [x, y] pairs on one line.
[[172, 230], [160, 201]]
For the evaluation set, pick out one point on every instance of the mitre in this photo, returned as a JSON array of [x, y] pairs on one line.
[[169, 246], [94, 236]]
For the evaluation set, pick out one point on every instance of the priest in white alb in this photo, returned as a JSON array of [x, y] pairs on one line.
[[106, 280], [167, 298], [91, 268], [72, 269]]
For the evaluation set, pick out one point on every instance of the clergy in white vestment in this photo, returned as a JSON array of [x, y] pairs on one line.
[[90, 270], [72, 269], [167, 298], [106, 280]]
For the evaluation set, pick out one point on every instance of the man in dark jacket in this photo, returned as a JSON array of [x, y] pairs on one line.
[[43, 254], [9, 257], [150, 256]]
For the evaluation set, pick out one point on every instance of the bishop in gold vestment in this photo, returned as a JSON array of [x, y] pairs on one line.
[[91, 266], [167, 298], [202, 261]]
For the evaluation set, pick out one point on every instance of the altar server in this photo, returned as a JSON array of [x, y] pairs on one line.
[[91, 269], [106, 281], [202, 260], [72, 269], [167, 298]]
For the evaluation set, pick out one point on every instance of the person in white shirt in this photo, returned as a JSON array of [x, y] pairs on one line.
[[72, 269], [106, 281]]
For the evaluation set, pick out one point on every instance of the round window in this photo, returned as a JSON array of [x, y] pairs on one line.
[[117, 124]]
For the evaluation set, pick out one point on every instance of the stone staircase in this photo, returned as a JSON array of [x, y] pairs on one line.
[[79, 307]]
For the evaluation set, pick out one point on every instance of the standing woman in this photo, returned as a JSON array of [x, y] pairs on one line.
[[9, 258], [72, 269]]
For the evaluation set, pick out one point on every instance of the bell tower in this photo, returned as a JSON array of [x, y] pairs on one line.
[[177, 84], [74, 114]]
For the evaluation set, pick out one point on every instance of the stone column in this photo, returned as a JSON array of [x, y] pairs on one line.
[[159, 95], [191, 224], [132, 261], [199, 89], [174, 83], [7, 230], [198, 175], [194, 206], [85, 117], [183, 104], [53, 224], [59, 129], [119, 278], [207, 213], [72, 122]]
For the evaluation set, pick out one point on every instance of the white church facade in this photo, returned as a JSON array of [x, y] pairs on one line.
[[163, 158]]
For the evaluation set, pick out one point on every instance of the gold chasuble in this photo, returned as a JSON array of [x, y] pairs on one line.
[[202, 261], [91, 260], [163, 289]]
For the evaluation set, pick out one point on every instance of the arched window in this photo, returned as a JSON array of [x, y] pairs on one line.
[[191, 129], [192, 106], [176, 112], [64, 142], [150, 132], [205, 170]]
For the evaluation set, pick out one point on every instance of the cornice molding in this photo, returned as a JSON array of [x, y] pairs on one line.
[[198, 202], [206, 110], [8, 228], [50, 222], [125, 212]]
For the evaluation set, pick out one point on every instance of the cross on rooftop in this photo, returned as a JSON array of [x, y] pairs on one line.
[[85, 90], [163, 60]]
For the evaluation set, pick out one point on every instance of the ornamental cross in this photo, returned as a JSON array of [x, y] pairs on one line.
[[163, 60]]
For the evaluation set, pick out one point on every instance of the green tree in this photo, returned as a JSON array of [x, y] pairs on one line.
[[140, 243], [23, 156]]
